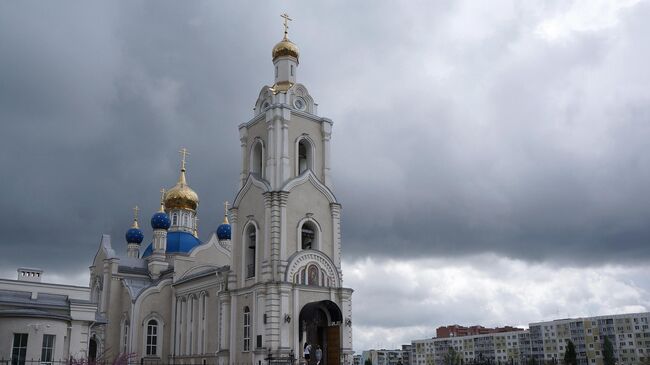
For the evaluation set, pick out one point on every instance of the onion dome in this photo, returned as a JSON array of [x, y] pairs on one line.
[[181, 196], [160, 219], [177, 242], [223, 231], [134, 234], [285, 48]]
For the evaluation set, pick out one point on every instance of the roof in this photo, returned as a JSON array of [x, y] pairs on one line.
[[177, 242]]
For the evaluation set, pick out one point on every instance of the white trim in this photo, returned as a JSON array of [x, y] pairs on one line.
[[251, 180], [244, 247], [309, 176]]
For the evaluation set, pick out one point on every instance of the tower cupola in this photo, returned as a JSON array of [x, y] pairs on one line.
[[134, 236], [285, 59]]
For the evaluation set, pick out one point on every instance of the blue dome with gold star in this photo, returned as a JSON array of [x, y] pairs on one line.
[[160, 220], [223, 231], [134, 235]]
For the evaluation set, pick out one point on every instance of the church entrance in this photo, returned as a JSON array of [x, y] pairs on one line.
[[92, 350], [320, 326]]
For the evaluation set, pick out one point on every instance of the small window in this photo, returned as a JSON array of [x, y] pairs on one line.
[[276, 71], [152, 338], [19, 349], [247, 329], [186, 220], [47, 352], [304, 157], [291, 70], [257, 159], [125, 338], [308, 236], [174, 219], [251, 245]]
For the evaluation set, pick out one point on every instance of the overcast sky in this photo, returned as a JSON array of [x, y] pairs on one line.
[[491, 157]]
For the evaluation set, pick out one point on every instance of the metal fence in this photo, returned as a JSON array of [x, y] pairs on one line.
[[142, 361]]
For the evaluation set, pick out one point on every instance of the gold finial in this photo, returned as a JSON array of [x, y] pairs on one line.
[[135, 217], [225, 214], [286, 24], [162, 200]]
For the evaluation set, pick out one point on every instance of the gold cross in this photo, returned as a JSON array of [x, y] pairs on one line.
[[184, 155], [225, 205], [162, 199], [286, 24], [135, 213]]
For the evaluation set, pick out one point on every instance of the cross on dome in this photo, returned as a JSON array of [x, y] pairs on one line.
[[184, 155], [286, 24], [135, 216]]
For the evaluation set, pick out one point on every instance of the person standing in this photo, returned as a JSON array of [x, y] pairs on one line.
[[319, 354], [307, 352]]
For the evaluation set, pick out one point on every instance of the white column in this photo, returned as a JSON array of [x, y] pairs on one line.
[[327, 134], [243, 139]]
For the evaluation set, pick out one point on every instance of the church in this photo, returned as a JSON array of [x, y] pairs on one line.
[[266, 282]]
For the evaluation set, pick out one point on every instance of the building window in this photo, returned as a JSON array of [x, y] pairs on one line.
[[19, 349], [291, 70], [304, 156], [308, 236], [247, 329], [257, 158], [276, 71], [47, 352], [152, 338], [185, 220], [174, 219], [125, 338], [251, 244]]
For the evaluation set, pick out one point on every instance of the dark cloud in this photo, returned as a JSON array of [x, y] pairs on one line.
[[457, 130]]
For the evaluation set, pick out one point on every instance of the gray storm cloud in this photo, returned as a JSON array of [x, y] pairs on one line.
[[507, 128]]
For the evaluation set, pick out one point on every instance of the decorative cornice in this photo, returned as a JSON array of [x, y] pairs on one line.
[[309, 176]]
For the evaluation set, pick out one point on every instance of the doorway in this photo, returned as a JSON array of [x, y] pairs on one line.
[[320, 326]]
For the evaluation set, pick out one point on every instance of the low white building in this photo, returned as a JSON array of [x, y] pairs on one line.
[[44, 322]]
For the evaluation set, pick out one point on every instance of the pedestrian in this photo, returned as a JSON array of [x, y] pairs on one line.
[[319, 354], [306, 352]]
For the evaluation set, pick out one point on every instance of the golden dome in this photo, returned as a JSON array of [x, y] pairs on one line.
[[181, 196], [285, 48]]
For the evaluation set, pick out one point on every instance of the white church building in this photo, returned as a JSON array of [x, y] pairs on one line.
[[266, 282]]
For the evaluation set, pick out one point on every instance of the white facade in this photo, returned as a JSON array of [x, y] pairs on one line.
[[272, 285], [36, 315]]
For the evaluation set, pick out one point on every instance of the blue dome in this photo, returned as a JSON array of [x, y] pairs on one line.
[[223, 231], [160, 220], [134, 235], [177, 242]]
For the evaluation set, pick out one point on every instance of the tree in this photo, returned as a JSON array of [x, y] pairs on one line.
[[570, 356], [608, 352], [452, 357], [368, 362]]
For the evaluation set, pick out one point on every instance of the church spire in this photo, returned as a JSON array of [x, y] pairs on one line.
[[285, 59]]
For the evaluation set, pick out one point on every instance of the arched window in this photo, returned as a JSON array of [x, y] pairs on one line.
[[152, 338], [247, 329], [303, 156], [257, 158], [174, 219], [185, 220], [308, 236], [251, 244]]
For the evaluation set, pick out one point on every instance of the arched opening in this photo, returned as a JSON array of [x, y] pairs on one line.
[[152, 338], [92, 349], [308, 236], [257, 159], [174, 219], [303, 156], [250, 238], [320, 327]]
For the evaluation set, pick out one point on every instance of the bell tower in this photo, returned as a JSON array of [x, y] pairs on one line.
[[286, 282]]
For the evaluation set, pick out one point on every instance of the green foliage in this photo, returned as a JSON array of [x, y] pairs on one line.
[[532, 361], [368, 362], [608, 352], [570, 356], [452, 357]]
